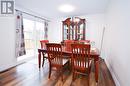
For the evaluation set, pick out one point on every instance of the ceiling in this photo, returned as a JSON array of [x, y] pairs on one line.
[[49, 8]]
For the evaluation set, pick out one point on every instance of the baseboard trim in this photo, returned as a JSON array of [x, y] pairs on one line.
[[6, 67], [112, 73], [14, 64]]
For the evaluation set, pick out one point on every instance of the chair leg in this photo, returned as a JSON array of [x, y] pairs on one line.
[[43, 59], [62, 74], [43, 62], [90, 68], [89, 74], [88, 78], [49, 71], [73, 76]]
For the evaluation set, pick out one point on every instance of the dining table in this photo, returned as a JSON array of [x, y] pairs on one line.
[[94, 54]]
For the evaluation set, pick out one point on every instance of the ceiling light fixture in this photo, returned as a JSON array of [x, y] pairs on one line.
[[66, 8]]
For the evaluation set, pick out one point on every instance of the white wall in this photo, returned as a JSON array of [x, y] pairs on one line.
[[94, 28], [7, 42], [116, 45]]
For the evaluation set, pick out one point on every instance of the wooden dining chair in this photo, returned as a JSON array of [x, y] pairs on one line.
[[43, 46], [81, 62], [67, 44], [55, 58]]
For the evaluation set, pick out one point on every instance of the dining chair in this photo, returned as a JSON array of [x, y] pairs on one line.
[[67, 44], [43, 46], [81, 62], [55, 58]]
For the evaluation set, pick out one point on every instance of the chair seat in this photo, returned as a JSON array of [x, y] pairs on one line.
[[46, 55], [56, 63], [65, 61]]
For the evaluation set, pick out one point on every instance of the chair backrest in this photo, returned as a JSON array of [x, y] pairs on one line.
[[80, 55], [54, 53], [43, 43], [67, 44]]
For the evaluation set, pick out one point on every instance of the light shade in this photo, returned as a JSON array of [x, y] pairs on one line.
[[66, 8]]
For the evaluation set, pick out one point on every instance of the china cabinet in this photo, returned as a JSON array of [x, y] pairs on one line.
[[73, 29]]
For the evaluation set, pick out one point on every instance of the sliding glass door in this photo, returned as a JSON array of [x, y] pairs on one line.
[[33, 32]]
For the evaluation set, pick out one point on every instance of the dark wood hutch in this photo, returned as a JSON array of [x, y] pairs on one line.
[[73, 29]]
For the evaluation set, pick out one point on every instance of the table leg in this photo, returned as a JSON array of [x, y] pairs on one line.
[[96, 63], [39, 59]]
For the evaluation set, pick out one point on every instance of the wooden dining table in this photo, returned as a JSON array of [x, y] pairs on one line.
[[94, 53]]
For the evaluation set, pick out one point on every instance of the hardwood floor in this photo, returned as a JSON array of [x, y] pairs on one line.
[[28, 74]]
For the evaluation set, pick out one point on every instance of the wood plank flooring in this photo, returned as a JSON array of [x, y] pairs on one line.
[[28, 74]]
